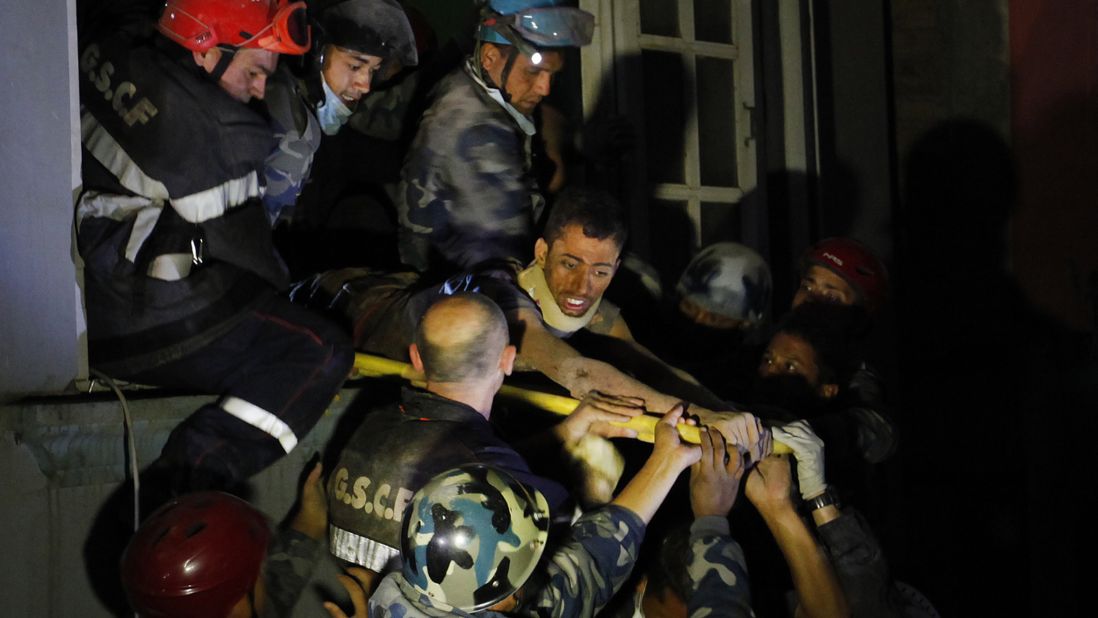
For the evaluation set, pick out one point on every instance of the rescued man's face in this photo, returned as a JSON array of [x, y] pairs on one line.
[[528, 83], [790, 355], [577, 268], [823, 284], [246, 76], [349, 73]]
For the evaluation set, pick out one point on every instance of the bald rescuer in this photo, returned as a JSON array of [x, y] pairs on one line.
[[461, 346]]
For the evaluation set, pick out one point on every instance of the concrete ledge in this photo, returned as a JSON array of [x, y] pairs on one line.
[[61, 458]]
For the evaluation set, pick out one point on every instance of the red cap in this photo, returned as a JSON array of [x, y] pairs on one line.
[[856, 264]]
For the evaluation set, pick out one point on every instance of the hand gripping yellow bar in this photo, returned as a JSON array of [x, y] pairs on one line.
[[370, 366]]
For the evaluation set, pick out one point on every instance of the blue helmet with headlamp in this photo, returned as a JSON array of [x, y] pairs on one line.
[[535, 23]]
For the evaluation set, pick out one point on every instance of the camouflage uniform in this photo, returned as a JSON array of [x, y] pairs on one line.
[[717, 572], [467, 193], [298, 133], [291, 558], [578, 579]]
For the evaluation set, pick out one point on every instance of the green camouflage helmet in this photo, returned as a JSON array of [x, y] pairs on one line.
[[472, 536]]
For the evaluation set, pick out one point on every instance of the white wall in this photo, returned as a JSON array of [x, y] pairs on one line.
[[40, 316]]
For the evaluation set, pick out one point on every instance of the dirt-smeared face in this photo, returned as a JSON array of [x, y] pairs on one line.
[[577, 268]]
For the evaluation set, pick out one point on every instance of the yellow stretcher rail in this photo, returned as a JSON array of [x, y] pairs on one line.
[[370, 366]]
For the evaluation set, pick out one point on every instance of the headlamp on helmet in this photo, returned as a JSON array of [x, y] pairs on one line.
[[531, 24]]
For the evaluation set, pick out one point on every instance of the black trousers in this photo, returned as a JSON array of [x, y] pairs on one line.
[[276, 371]]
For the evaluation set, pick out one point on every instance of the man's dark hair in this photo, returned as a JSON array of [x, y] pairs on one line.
[[469, 352], [596, 211], [836, 333], [668, 568]]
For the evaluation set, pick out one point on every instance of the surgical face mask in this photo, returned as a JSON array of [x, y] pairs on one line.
[[333, 113]]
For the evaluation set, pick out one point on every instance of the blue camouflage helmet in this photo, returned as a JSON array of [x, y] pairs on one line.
[[541, 23], [472, 536], [730, 280]]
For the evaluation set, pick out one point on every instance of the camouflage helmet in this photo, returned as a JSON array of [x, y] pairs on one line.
[[472, 536], [730, 280]]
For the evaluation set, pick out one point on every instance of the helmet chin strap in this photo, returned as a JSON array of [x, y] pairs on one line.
[[487, 78], [512, 53], [223, 62], [517, 45]]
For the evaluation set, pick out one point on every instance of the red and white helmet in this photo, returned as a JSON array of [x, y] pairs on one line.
[[274, 25], [855, 263], [195, 556]]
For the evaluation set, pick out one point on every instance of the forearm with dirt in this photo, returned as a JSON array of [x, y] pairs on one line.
[[541, 350]]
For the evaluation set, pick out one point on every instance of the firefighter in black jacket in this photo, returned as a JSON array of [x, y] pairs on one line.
[[181, 278]]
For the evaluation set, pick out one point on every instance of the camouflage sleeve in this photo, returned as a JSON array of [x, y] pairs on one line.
[[298, 134], [291, 558], [466, 196], [589, 567], [718, 573]]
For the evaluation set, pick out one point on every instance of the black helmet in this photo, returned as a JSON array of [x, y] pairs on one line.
[[375, 27]]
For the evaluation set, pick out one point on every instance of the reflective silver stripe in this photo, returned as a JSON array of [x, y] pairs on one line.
[[347, 545], [213, 202], [194, 208], [107, 151], [261, 419], [145, 212]]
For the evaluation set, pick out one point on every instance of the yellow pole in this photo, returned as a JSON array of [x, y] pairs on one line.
[[370, 366]]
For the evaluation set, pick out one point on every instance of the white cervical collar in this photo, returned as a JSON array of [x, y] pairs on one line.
[[532, 281]]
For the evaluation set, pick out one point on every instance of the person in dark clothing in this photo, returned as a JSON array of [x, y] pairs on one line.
[[802, 375], [461, 346], [181, 279]]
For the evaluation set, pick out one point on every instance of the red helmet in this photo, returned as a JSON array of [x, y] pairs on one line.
[[198, 555], [275, 25], [855, 263]]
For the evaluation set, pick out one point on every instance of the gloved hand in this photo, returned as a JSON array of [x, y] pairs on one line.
[[808, 448]]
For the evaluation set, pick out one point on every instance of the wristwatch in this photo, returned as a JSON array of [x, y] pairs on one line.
[[828, 498]]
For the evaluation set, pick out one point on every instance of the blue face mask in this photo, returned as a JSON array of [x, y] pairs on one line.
[[333, 112]]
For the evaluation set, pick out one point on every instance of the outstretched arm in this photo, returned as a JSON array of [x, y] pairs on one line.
[[542, 351], [588, 569], [670, 456], [630, 354], [818, 591], [716, 566]]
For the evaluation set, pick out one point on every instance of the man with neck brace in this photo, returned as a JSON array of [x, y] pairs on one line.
[[357, 44], [467, 190], [559, 294]]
